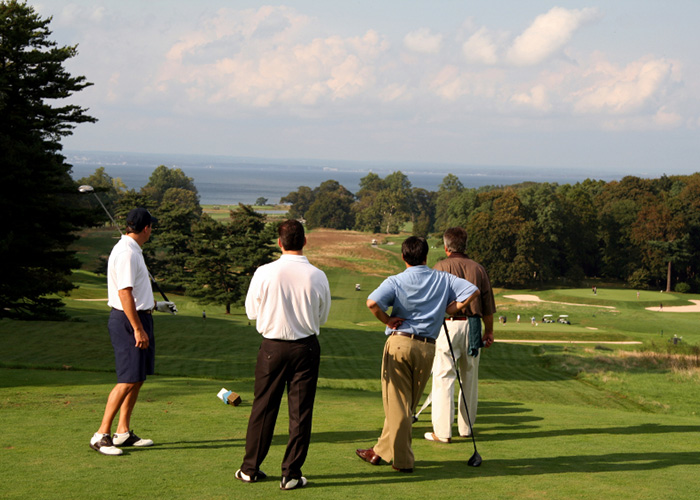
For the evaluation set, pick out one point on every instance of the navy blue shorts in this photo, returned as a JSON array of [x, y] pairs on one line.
[[132, 364]]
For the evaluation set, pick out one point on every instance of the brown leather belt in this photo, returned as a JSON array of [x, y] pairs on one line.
[[140, 311], [419, 338]]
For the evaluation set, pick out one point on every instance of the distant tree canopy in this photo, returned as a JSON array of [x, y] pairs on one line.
[[38, 199], [163, 178], [643, 231]]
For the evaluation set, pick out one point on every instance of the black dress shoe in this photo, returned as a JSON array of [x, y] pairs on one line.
[[409, 471], [369, 456]]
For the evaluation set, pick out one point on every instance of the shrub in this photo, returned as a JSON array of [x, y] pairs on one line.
[[639, 279], [682, 287]]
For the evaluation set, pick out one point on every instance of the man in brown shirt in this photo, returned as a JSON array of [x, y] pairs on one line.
[[465, 334]]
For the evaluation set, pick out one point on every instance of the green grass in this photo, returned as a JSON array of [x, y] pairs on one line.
[[555, 421], [222, 212]]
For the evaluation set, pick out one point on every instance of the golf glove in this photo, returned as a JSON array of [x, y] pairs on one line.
[[166, 307]]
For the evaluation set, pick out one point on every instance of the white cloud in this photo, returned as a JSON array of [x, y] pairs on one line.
[[667, 119], [264, 57], [448, 83], [547, 35], [536, 98], [423, 41], [393, 92], [481, 48], [624, 90]]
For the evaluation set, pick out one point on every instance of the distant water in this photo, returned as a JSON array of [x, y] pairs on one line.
[[231, 180]]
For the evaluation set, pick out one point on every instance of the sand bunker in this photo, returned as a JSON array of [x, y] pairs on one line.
[[535, 298], [520, 341], [678, 309]]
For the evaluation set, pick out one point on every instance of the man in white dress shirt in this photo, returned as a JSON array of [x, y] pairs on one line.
[[289, 299]]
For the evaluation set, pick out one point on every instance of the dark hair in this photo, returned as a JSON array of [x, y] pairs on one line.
[[291, 233], [414, 250], [455, 240]]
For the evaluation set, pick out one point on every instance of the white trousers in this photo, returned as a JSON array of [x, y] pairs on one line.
[[444, 379]]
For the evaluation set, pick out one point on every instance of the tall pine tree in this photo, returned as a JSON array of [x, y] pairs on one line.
[[226, 254], [38, 199]]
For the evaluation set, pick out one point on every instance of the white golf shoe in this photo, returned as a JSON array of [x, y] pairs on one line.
[[131, 439], [103, 443]]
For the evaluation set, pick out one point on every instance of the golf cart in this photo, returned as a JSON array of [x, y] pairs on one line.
[[547, 318], [564, 319]]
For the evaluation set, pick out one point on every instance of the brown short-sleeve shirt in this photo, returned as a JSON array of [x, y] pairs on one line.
[[462, 266]]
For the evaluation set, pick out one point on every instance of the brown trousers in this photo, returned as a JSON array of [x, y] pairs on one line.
[[405, 372]]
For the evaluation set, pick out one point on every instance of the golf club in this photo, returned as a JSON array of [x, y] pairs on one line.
[[85, 188], [427, 402], [475, 460]]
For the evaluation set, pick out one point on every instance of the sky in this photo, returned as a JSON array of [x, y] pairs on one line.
[[592, 84]]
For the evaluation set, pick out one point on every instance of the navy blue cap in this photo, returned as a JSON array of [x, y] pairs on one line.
[[138, 218]]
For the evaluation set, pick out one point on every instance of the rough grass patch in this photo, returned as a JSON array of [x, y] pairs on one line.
[[350, 250]]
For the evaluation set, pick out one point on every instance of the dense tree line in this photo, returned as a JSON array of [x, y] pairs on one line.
[[189, 251], [642, 231]]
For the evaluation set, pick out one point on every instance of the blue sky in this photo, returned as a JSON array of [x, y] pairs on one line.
[[601, 85]]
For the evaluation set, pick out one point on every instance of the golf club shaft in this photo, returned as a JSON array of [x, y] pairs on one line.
[[459, 379], [427, 402], [114, 223]]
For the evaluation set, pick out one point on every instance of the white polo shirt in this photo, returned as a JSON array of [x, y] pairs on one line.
[[127, 269], [289, 298]]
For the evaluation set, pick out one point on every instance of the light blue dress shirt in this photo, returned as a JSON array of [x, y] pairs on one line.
[[420, 295]]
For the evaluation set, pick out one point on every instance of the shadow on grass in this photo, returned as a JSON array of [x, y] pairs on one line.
[[608, 462], [211, 444], [458, 469], [634, 430]]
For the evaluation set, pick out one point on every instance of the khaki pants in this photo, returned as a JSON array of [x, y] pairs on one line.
[[445, 377], [405, 372]]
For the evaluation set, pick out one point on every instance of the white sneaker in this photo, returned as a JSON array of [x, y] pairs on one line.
[[103, 443], [292, 484], [131, 439], [430, 436]]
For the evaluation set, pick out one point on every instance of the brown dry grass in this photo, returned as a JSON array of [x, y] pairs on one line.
[[350, 250], [686, 364]]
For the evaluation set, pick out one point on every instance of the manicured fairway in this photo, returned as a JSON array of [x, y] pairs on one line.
[[531, 449], [555, 421]]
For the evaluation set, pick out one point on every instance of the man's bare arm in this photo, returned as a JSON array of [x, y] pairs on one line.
[[391, 321], [454, 308]]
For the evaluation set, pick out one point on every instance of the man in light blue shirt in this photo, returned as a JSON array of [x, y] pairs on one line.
[[419, 298]]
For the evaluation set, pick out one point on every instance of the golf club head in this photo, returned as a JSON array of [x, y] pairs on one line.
[[475, 460], [414, 419], [86, 189]]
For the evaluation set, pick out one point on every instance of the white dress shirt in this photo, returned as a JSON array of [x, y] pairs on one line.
[[289, 298], [127, 269]]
